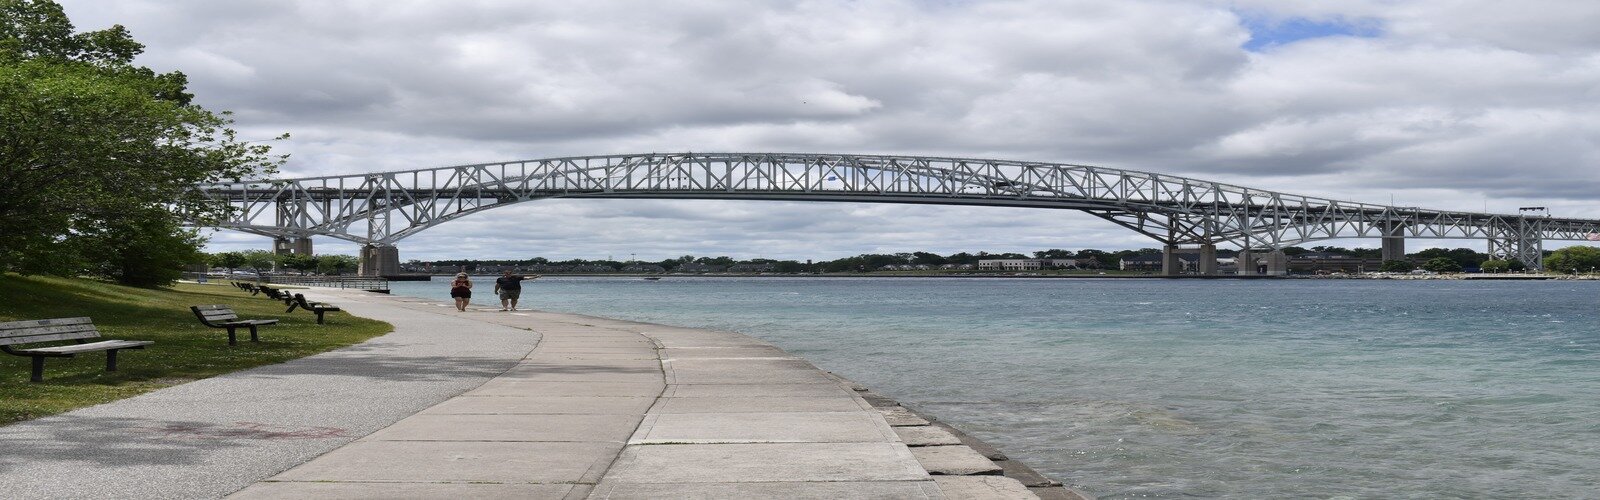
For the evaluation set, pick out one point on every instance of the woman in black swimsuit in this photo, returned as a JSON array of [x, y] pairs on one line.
[[461, 290]]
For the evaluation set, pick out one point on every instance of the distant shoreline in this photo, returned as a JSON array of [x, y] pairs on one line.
[[1484, 277]]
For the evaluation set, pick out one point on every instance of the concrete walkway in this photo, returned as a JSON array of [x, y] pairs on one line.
[[599, 408], [209, 438]]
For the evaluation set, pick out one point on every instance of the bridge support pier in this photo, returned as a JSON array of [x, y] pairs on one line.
[[1245, 262], [1208, 260], [1171, 265], [1394, 244], [1277, 263], [379, 260], [295, 246]]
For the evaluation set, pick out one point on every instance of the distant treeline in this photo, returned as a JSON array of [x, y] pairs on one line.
[[1087, 258]]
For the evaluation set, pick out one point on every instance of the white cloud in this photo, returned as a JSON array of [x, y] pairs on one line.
[[1447, 103]]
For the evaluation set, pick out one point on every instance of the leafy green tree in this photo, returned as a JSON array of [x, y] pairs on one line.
[[1442, 265], [1102, 259], [716, 261], [1575, 259], [1397, 266], [930, 259], [1054, 253], [136, 250], [302, 263], [1295, 251], [337, 264], [1495, 266], [1464, 257], [962, 258], [260, 260], [1517, 265], [92, 145], [228, 260]]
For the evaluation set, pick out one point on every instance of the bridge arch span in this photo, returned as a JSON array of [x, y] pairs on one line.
[[379, 209]]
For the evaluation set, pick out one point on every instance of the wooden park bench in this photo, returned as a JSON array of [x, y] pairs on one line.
[[248, 287], [316, 307], [275, 294], [15, 333], [221, 316]]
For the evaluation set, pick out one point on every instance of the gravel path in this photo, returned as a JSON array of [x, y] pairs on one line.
[[211, 437]]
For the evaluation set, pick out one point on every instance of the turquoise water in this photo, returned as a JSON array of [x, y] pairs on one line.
[[1188, 388]]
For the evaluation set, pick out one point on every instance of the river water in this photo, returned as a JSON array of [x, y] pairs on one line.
[[1143, 388]]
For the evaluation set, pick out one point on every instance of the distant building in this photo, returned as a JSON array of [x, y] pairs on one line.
[[644, 268], [752, 268], [1073, 263], [1142, 262], [1031, 264], [1325, 263], [1011, 264], [696, 267]]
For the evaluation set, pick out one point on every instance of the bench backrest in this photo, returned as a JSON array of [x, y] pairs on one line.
[[214, 312], [45, 330], [301, 299]]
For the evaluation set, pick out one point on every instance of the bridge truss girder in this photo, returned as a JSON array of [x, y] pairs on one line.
[[380, 209]]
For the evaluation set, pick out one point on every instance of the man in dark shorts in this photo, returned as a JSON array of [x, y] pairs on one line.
[[509, 287]]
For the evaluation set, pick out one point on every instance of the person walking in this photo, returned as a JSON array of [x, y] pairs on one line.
[[509, 287], [461, 290]]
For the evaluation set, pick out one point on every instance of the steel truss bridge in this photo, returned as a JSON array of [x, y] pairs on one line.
[[377, 210]]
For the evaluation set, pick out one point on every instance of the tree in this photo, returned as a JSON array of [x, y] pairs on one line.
[[928, 259], [94, 145], [228, 260], [1575, 259], [1054, 253], [1396, 266], [137, 250], [1495, 266], [336, 264], [962, 258], [1465, 257], [302, 263], [260, 260], [1295, 251], [1442, 265]]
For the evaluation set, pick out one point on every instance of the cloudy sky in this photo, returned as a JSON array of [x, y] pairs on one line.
[[1453, 104]]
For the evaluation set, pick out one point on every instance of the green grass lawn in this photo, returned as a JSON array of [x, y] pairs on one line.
[[184, 350]]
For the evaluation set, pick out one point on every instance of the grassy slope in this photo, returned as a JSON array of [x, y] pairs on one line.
[[184, 350]]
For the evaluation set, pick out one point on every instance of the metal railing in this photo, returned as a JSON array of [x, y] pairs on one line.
[[342, 282]]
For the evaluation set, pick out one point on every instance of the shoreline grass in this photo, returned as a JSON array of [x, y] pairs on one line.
[[184, 350]]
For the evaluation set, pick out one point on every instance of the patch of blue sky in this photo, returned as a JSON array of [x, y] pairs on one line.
[[1267, 32]]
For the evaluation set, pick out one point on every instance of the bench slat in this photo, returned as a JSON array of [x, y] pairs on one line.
[[248, 322], [213, 316], [49, 337], [95, 346], [47, 330], [14, 325]]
